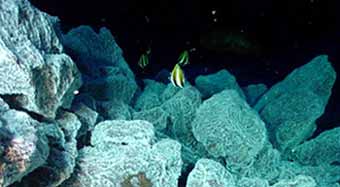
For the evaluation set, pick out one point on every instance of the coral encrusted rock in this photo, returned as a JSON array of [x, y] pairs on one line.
[[209, 173], [106, 74], [23, 146], [124, 153], [291, 107], [211, 84], [228, 127], [35, 74]]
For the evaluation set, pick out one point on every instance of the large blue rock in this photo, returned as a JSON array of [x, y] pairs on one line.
[[324, 149], [23, 145], [291, 107], [35, 74], [209, 173], [151, 95], [253, 92], [106, 74], [227, 127], [211, 84], [62, 155], [124, 153]]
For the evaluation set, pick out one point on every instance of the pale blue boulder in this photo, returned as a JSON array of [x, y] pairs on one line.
[[156, 116], [227, 127], [252, 182], [35, 74], [114, 110], [181, 108], [23, 145], [151, 95], [106, 74], [323, 149], [211, 84], [86, 116], [290, 118], [62, 155], [298, 181], [209, 173], [124, 153], [253, 92], [291, 107], [317, 76]]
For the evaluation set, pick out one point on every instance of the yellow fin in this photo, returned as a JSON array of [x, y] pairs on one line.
[[177, 76]]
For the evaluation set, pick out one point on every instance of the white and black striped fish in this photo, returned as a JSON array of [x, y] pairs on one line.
[[177, 76], [183, 58], [143, 60]]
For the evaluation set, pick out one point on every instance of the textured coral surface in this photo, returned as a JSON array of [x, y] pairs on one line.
[[72, 114]]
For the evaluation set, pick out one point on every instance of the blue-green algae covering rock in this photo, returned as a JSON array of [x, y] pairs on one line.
[[290, 118], [24, 146], [182, 109], [86, 116], [265, 166], [125, 153], [151, 95], [252, 182], [290, 107], [324, 149], [34, 71], [229, 128], [253, 92], [211, 84], [114, 110], [156, 115], [172, 113], [317, 76], [62, 155], [209, 173], [298, 181], [106, 74]]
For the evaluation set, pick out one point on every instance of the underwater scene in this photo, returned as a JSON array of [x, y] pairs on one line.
[[171, 93]]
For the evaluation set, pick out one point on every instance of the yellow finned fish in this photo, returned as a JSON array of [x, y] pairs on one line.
[[143, 60], [183, 58], [177, 76]]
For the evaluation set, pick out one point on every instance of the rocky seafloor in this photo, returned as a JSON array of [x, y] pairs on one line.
[[72, 115]]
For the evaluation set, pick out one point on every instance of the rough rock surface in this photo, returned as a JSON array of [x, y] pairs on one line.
[[290, 107], [156, 116], [298, 181], [106, 74], [209, 85], [181, 108], [114, 110], [290, 118], [209, 173], [34, 72], [23, 145], [124, 154], [252, 182], [86, 116], [324, 149], [222, 138], [62, 156], [253, 92], [228, 127], [150, 97]]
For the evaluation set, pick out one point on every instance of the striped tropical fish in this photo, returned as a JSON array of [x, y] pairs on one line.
[[143, 60], [183, 58], [177, 76]]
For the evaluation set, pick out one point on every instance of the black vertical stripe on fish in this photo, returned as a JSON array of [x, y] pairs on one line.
[[143, 61], [177, 76]]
